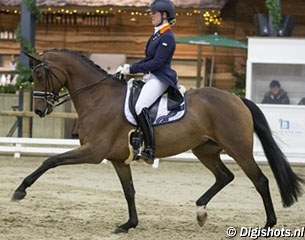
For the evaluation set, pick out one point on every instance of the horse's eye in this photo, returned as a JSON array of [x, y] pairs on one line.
[[38, 74]]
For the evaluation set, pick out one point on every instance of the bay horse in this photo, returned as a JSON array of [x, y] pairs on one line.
[[216, 120]]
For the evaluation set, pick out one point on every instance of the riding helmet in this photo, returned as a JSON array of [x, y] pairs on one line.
[[163, 6]]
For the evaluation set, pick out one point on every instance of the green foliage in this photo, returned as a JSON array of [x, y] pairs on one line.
[[275, 11], [9, 88], [32, 7], [24, 43], [240, 82], [24, 80], [241, 92]]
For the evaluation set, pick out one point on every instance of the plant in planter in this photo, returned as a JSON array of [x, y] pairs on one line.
[[275, 15], [24, 80]]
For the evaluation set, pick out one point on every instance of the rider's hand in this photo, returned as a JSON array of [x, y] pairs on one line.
[[118, 70], [125, 69]]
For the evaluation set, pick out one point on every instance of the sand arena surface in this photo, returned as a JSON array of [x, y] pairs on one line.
[[86, 202]]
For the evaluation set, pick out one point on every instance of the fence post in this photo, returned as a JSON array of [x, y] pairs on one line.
[[27, 121]]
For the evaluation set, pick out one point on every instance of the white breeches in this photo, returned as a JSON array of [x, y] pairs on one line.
[[151, 91]]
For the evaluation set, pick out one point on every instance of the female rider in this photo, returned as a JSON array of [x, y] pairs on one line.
[[156, 66]]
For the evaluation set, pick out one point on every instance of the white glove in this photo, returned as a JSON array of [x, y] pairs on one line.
[[119, 69], [125, 69]]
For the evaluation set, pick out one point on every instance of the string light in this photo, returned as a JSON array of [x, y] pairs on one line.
[[211, 17]]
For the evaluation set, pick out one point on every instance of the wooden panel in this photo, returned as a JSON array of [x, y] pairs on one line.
[[42, 127], [6, 103], [121, 35]]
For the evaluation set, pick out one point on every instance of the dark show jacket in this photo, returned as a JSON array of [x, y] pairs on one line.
[[159, 51], [281, 98]]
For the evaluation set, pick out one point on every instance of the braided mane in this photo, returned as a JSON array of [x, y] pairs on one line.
[[81, 56]]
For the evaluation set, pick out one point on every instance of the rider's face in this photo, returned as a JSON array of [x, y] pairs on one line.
[[156, 18]]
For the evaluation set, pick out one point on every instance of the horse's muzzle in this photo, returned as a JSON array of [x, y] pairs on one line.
[[43, 111], [39, 113]]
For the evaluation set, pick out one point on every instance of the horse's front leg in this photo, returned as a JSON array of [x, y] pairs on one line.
[[76, 156], [124, 173]]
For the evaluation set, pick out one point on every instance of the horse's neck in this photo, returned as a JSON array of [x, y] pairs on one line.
[[82, 79], [106, 96]]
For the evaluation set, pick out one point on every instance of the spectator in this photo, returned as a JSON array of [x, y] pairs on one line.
[[276, 95]]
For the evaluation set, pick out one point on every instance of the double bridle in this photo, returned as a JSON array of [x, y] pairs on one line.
[[52, 98]]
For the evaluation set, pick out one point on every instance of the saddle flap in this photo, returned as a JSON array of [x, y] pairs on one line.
[[134, 95]]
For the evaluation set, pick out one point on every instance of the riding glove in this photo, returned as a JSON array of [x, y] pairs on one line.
[[125, 69]]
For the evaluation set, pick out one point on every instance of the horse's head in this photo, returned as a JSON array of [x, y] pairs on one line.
[[49, 78]]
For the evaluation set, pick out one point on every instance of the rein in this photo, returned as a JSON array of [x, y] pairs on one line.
[[54, 99]]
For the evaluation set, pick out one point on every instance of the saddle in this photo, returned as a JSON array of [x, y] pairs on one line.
[[169, 107]]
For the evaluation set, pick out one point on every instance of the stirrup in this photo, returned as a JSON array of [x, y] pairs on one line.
[[135, 142], [148, 155]]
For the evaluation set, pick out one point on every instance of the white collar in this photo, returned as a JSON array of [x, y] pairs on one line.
[[157, 29]]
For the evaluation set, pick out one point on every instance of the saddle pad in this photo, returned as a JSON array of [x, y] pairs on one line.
[[163, 115]]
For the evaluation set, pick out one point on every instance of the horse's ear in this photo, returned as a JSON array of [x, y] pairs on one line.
[[34, 58]]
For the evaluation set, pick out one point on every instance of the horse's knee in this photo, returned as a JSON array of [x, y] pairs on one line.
[[224, 178], [229, 177], [50, 162]]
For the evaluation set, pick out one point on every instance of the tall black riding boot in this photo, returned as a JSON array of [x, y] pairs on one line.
[[148, 154]]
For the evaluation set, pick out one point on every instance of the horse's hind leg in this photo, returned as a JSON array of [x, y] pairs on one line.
[[208, 154], [246, 161]]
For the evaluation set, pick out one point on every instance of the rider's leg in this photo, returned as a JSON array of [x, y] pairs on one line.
[[151, 91], [148, 154]]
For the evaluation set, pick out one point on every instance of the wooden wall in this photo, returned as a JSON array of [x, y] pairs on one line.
[[121, 35], [42, 128]]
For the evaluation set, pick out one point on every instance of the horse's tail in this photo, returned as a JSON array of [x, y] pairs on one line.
[[288, 182]]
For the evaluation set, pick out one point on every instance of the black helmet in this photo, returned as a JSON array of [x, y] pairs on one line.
[[163, 6]]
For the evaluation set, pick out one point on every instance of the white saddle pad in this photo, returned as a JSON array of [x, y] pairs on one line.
[[163, 114]]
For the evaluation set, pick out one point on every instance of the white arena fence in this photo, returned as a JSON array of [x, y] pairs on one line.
[[36, 146], [49, 146]]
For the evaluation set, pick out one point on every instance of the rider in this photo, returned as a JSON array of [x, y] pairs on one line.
[[156, 67]]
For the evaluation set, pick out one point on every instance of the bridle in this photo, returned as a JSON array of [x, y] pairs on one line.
[[51, 97]]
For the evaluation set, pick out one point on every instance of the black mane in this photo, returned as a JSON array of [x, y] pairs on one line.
[[86, 59], [81, 56]]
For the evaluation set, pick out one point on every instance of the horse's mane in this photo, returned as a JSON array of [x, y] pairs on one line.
[[84, 58]]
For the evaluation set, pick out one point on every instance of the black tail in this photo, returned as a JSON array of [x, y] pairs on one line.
[[288, 182]]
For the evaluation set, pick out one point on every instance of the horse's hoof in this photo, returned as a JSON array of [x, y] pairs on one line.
[[270, 224], [202, 215], [18, 196], [120, 230]]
